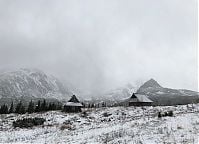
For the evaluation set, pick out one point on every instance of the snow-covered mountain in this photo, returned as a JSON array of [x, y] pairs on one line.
[[30, 84], [167, 96], [152, 87]]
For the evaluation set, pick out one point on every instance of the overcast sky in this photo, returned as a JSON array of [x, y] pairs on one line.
[[101, 44]]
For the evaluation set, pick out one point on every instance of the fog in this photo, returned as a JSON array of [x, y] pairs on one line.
[[101, 45]]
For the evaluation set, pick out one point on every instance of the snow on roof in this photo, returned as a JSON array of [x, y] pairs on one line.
[[142, 98], [73, 104], [74, 99]]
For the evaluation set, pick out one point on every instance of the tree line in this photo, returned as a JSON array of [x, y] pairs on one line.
[[94, 105], [40, 106]]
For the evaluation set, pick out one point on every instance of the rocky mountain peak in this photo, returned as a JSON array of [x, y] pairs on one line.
[[31, 83], [151, 83]]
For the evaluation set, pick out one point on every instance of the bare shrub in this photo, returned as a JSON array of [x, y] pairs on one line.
[[165, 114], [106, 114], [84, 114], [28, 122], [64, 126]]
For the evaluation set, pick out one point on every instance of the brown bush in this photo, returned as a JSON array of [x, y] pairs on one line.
[[66, 126]]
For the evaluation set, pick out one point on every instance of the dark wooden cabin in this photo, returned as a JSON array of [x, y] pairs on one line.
[[73, 105], [138, 100]]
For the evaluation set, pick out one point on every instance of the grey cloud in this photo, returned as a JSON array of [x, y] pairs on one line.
[[98, 45]]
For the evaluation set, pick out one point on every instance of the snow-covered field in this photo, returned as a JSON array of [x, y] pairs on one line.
[[123, 125]]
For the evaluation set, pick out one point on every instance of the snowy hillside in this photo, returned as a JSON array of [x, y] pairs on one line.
[[30, 84], [108, 125]]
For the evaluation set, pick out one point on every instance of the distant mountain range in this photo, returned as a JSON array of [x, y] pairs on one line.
[[153, 90], [32, 84], [28, 84]]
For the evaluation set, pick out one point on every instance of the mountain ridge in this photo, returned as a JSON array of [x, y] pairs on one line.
[[151, 86], [167, 96], [35, 84], [31, 83]]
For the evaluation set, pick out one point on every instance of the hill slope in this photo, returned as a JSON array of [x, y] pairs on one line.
[[132, 125]]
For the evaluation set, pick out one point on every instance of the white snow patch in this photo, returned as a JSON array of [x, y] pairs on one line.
[[122, 125]]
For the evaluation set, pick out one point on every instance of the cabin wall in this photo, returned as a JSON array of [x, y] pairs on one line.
[[140, 104], [72, 109]]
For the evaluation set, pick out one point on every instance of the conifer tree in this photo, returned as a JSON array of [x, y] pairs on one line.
[[50, 106], [58, 106], [18, 107], [30, 107], [4, 109], [22, 109], [103, 104], [38, 106], [55, 106], [44, 105], [1, 111], [11, 110]]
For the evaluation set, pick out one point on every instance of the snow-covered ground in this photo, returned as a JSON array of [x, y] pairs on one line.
[[124, 125]]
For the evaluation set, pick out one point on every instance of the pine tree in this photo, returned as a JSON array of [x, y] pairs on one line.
[[58, 106], [22, 110], [38, 106], [30, 107], [11, 110], [103, 104], [44, 106], [54, 106], [4, 109], [18, 107], [159, 115], [1, 111], [50, 106], [83, 105]]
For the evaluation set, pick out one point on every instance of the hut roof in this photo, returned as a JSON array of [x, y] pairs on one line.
[[74, 99], [139, 98], [133, 96], [73, 102]]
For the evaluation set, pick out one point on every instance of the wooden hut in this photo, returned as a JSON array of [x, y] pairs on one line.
[[138, 100], [73, 105]]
